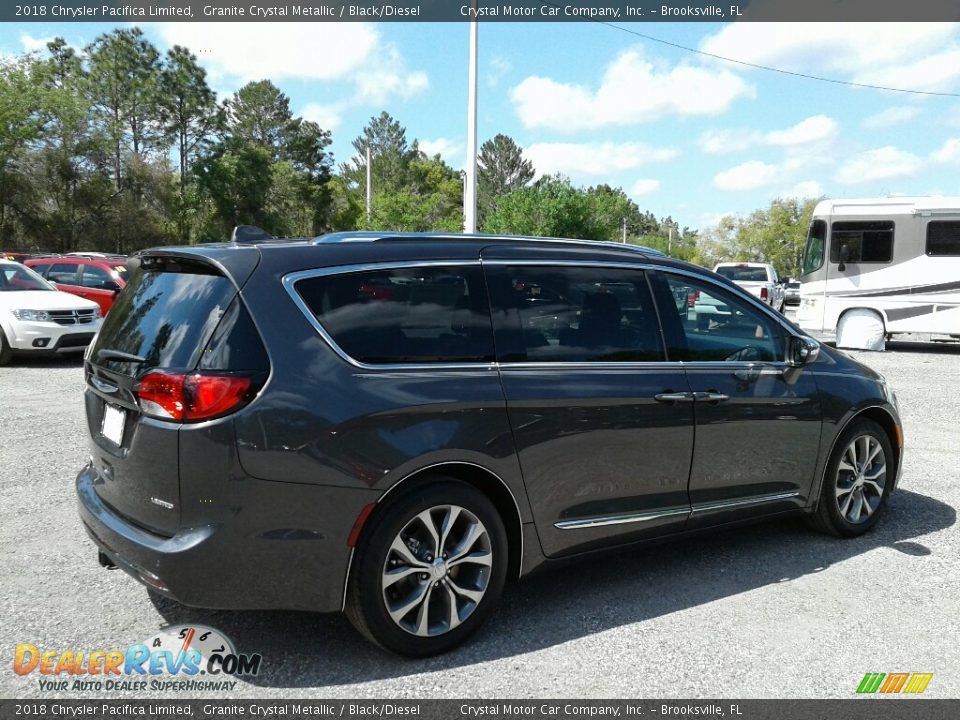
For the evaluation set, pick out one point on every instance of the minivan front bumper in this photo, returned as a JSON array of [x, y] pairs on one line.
[[254, 562]]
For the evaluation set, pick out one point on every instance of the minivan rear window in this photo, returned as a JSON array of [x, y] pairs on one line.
[[404, 315], [165, 315]]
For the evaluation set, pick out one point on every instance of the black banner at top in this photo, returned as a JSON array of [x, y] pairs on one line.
[[615, 11]]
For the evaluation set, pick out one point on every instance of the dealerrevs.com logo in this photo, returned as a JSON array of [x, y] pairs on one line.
[[177, 658], [894, 683]]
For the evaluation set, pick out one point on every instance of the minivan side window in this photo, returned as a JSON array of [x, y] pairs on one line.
[[862, 241], [404, 315], [712, 325], [943, 238], [816, 243], [584, 314]]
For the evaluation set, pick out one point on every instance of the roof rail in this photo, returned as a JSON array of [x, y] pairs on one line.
[[386, 235], [249, 234]]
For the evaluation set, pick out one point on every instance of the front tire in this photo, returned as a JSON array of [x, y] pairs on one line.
[[857, 481], [429, 571], [6, 353]]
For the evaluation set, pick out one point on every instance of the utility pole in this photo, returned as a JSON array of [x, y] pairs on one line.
[[669, 238], [369, 180], [624, 231], [470, 186]]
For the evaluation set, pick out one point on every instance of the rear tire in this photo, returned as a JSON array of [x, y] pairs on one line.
[[403, 595], [857, 481], [6, 353]]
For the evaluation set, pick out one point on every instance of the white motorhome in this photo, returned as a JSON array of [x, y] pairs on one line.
[[876, 267]]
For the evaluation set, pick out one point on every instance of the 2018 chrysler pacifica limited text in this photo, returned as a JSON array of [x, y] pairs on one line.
[[392, 425]]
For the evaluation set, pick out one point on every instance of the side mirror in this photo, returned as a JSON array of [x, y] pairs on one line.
[[802, 351], [844, 256]]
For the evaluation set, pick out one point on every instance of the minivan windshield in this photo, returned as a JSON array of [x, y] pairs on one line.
[[165, 316], [19, 277]]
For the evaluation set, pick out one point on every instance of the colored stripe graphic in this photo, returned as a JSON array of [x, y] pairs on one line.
[[918, 682], [895, 681], [870, 682], [901, 682]]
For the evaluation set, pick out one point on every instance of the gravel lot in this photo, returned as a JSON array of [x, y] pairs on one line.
[[769, 611]]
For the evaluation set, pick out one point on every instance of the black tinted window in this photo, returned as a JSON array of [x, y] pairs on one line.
[[715, 325], [864, 242], [816, 241], [166, 316], [405, 315], [943, 237], [589, 314], [743, 274]]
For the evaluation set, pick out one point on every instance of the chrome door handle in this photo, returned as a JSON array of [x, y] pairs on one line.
[[674, 397], [711, 397]]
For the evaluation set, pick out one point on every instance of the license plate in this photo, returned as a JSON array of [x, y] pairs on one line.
[[113, 419]]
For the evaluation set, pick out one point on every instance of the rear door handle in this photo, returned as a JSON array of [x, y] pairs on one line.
[[674, 397], [711, 397]]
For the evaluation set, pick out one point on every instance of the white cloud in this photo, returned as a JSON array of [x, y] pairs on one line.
[[250, 51], [813, 129], [949, 153], [450, 150], [633, 90], [747, 176], [643, 187], [498, 67], [896, 115], [29, 43], [595, 158], [816, 128], [385, 75], [922, 56], [880, 164], [326, 116], [721, 142], [237, 53]]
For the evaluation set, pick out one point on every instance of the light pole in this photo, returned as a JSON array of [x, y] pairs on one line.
[[470, 184], [369, 181]]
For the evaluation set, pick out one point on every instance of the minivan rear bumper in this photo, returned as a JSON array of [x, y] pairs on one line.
[[239, 566]]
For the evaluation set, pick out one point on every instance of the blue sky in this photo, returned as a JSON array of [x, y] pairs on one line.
[[683, 134]]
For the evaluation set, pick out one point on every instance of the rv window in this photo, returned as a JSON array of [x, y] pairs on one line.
[[943, 237], [865, 242], [816, 241]]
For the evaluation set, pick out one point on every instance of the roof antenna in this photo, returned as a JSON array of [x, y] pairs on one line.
[[249, 234]]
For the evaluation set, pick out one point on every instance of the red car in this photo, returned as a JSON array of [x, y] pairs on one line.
[[96, 279]]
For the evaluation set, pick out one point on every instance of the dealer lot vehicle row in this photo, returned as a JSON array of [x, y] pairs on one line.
[[410, 420]]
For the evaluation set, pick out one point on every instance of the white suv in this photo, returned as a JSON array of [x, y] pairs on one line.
[[36, 318]]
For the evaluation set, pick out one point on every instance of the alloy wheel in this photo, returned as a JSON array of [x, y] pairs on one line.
[[437, 570], [861, 478]]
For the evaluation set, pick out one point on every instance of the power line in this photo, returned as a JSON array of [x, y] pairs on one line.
[[768, 68]]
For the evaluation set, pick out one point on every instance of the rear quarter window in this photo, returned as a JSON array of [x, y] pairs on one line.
[[404, 315]]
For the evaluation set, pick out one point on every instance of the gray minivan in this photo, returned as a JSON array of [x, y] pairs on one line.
[[395, 424]]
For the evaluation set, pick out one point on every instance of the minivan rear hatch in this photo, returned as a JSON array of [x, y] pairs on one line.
[[161, 323]]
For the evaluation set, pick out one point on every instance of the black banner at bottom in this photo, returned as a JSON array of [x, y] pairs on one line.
[[873, 708]]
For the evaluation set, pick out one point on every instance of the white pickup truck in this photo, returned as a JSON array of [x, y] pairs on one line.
[[758, 279]]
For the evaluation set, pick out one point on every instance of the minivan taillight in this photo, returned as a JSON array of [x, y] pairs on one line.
[[189, 397], [763, 293]]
